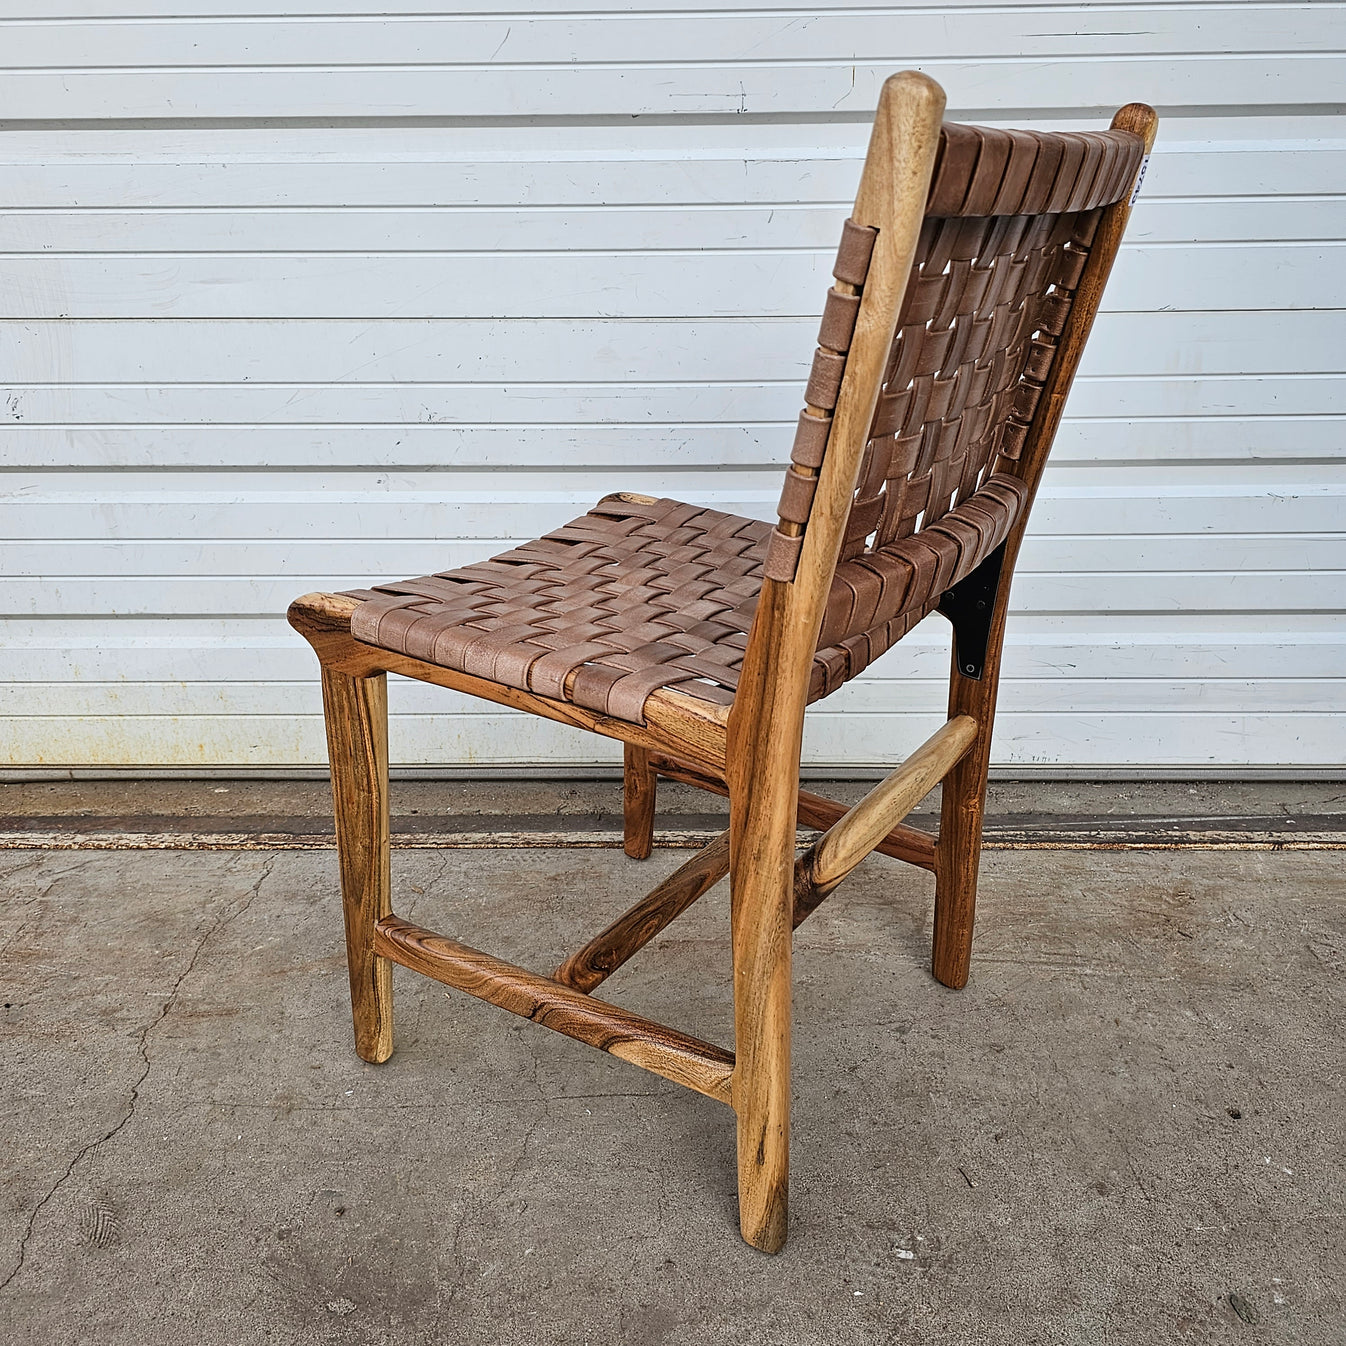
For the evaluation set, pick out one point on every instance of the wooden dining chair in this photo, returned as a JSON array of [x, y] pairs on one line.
[[967, 279]]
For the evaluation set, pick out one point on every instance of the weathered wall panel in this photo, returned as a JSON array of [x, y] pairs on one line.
[[297, 293]]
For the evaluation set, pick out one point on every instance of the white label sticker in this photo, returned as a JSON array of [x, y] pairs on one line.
[[1140, 177]]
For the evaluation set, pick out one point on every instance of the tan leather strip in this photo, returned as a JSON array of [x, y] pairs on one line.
[[1023, 155], [782, 557], [796, 496], [958, 152], [857, 246], [825, 379], [810, 440], [1067, 175], [1051, 150], [988, 171], [992, 160], [838, 324]]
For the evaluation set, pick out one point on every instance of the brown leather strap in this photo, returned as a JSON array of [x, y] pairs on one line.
[[838, 324], [825, 379], [810, 440], [631, 597]]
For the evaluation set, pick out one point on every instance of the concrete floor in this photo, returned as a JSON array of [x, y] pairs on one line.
[[1128, 1128]]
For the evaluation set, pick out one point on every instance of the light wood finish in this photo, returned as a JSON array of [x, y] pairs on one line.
[[853, 836], [356, 712], [910, 844], [963, 806], [767, 718], [676, 1056], [630, 932], [836, 853], [639, 788], [688, 774], [614, 945]]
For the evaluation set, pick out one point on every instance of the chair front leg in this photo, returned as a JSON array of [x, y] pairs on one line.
[[761, 879], [356, 711]]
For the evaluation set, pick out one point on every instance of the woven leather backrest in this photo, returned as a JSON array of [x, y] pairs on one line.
[[1009, 222]]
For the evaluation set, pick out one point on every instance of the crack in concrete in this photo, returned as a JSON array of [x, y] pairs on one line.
[[226, 917], [456, 1257], [544, 1112]]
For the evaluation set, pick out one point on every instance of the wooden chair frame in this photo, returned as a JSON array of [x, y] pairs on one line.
[[750, 751]]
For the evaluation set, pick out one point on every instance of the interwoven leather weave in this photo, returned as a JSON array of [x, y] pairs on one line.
[[631, 597], [640, 595], [1009, 221]]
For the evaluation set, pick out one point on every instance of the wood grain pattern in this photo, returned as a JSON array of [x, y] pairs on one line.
[[356, 712], [630, 932], [688, 774], [911, 844], [639, 788], [632, 1037], [766, 721]]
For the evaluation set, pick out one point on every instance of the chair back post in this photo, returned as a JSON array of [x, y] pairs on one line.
[[960, 829], [1142, 121], [765, 730], [767, 715]]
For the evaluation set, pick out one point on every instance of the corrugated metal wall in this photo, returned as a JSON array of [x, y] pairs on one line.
[[296, 295]]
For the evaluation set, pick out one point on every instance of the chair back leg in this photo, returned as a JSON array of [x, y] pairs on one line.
[[963, 805], [640, 784], [356, 711]]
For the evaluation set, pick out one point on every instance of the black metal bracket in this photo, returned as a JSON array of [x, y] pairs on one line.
[[969, 606]]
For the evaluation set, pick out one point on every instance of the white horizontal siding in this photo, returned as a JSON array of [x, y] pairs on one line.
[[24, 12], [1088, 740], [333, 46], [716, 62], [245, 357], [1077, 684], [726, 283]]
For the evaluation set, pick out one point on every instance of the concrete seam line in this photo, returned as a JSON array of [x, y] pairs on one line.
[[263, 841], [1003, 773]]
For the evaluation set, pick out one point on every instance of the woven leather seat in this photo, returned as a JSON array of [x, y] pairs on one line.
[[639, 594], [967, 280], [633, 596]]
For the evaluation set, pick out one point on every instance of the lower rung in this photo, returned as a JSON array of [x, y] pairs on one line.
[[909, 844], [632, 1037]]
